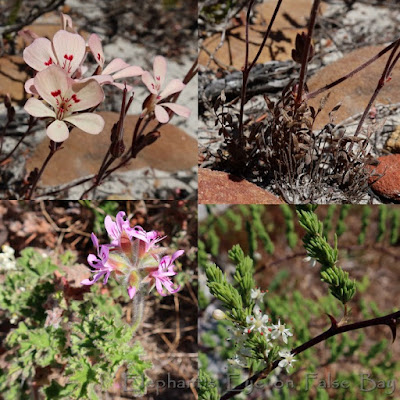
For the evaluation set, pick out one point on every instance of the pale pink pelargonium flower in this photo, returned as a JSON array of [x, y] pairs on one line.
[[155, 84], [117, 68], [66, 98], [133, 257], [67, 50]]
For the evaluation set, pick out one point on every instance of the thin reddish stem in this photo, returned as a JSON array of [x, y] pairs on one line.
[[306, 53], [350, 74], [54, 147]]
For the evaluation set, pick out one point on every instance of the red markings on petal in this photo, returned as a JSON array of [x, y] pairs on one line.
[[98, 56], [68, 57], [56, 93], [158, 78], [75, 99], [49, 62]]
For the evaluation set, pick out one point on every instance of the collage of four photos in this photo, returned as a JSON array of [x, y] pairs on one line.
[[199, 199]]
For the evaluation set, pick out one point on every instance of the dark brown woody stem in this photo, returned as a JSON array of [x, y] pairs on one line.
[[389, 320]]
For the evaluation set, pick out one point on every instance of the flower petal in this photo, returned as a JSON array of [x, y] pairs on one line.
[[149, 82], [133, 70], [178, 109], [66, 22], [85, 95], [160, 70], [50, 83], [176, 255], [122, 86], [36, 108], [96, 48], [87, 122], [30, 86], [161, 115], [174, 86], [39, 55], [28, 35], [57, 131], [131, 291], [101, 79], [87, 282], [115, 65], [70, 48]]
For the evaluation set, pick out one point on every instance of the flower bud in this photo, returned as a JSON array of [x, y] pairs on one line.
[[219, 315]]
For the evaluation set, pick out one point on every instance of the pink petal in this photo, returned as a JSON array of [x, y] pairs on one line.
[[149, 82], [66, 22], [176, 255], [101, 79], [160, 288], [85, 95], [160, 70], [50, 83], [70, 48], [178, 109], [36, 108], [128, 72], [57, 131], [28, 35], [30, 86], [161, 115], [131, 292], [87, 282], [111, 227], [87, 122], [96, 48], [115, 65], [122, 86], [95, 241], [174, 86], [39, 55]]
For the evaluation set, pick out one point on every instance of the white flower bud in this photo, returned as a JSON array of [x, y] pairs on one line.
[[218, 315]]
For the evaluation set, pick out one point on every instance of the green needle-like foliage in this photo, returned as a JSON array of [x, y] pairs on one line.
[[225, 292], [314, 242], [340, 285], [208, 389], [244, 273], [319, 249]]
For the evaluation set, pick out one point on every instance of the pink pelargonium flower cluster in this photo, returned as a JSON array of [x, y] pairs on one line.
[[133, 256], [64, 91]]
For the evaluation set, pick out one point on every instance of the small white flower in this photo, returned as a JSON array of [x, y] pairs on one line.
[[288, 360], [7, 259], [312, 261], [279, 330], [9, 251], [258, 321], [257, 295]]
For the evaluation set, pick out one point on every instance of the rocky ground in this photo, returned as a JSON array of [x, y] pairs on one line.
[[135, 34], [345, 36]]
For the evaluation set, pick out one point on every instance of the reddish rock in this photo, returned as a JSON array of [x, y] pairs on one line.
[[389, 185], [217, 187]]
